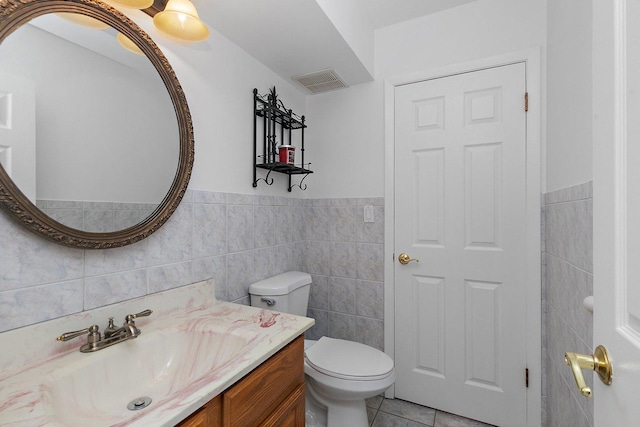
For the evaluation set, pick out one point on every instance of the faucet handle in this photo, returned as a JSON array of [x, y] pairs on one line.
[[110, 330], [92, 330], [130, 317]]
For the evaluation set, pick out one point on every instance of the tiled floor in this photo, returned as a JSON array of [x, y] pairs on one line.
[[399, 413]]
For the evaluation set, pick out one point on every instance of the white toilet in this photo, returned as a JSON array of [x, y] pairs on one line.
[[340, 374]]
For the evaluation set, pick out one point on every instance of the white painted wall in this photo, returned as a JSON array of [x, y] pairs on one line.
[[476, 30], [345, 136], [350, 162], [569, 93], [346, 144], [218, 79]]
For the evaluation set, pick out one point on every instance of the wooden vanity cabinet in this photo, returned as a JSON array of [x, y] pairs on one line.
[[272, 395]]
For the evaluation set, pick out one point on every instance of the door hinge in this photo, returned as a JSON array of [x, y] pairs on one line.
[[526, 377], [526, 101]]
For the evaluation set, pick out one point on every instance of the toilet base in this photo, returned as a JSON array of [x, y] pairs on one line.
[[326, 412], [315, 412]]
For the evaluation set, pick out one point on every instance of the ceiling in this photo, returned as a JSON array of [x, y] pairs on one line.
[[383, 13], [297, 37]]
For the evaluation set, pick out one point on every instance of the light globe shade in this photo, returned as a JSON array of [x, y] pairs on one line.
[[133, 4], [180, 19], [126, 43], [83, 20]]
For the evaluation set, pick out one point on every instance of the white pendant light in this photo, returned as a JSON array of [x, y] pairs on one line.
[[83, 20], [126, 43], [180, 19], [133, 4]]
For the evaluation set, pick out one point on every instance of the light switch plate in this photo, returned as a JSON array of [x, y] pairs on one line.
[[368, 214]]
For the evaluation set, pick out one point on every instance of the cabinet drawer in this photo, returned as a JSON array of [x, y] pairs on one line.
[[208, 416], [256, 396]]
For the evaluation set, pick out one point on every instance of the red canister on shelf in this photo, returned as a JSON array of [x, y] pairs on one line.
[[287, 154]]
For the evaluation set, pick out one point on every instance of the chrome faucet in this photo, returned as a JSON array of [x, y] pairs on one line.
[[112, 335]]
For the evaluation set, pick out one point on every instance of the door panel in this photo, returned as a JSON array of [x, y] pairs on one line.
[[483, 199], [460, 209], [429, 333], [616, 207], [429, 197], [482, 334]]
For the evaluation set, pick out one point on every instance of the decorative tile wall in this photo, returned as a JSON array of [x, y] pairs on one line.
[[567, 280], [345, 257], [236, 239]]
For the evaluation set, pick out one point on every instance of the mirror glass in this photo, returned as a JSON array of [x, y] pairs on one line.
[[88, 131]]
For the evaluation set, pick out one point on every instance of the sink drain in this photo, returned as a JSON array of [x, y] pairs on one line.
[[139, 403]]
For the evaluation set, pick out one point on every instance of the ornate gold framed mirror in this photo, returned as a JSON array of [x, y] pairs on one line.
[[13, 200]]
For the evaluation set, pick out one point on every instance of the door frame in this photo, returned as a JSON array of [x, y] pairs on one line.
[[534, 185]]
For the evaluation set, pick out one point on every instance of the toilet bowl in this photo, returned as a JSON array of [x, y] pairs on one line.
[[339, 374]]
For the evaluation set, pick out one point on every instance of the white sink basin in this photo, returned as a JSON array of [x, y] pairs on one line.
[[158, 365], [191, 349]]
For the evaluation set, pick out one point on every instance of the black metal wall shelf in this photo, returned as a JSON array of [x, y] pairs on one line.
[[283, 118], [284, 168], [276, 117]]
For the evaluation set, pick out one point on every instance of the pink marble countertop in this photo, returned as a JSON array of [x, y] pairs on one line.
[[192, 348]]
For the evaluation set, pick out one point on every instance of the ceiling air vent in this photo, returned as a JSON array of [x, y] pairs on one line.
[[321, 81]]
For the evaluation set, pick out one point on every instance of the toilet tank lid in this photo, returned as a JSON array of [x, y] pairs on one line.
[[281, 284]]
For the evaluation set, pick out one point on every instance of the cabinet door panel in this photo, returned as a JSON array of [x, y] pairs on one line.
[[256, 396], [291, 413]]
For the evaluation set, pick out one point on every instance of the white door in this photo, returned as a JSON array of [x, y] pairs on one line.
[[460, 189], [616, 203], [18, 131]]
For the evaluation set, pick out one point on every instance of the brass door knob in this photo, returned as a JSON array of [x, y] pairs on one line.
[[405, 259], [599, 362]]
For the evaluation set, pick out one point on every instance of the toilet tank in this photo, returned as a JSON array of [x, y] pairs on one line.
[[287, 292]]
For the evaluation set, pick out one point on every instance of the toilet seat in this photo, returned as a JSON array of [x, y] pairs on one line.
[[348, 360]]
